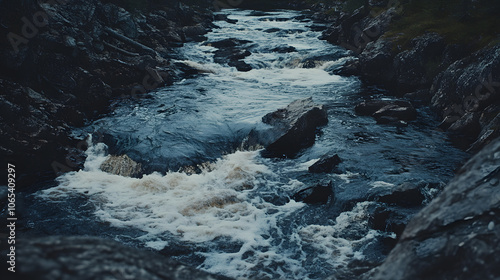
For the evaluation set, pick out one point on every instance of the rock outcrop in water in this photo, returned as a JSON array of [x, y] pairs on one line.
[[121, 165], [320, 193], [457, 235], [292, 129], [387, 111], [62, 62], [232, 51], [326, 164], [78, 258]]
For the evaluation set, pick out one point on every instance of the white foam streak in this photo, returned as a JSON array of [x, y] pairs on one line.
[[330, 240]]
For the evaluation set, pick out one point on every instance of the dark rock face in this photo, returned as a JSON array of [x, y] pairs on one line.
[[467, 91], [458, 84], [457, 235], [412, 70], [376, 62], [87, 53], [326, 164], [78, 258], [318, 194], [355, 31], [293, 129], [390, 219]]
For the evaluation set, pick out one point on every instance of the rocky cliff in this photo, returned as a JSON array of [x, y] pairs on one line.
[[456, 71], [431, 54], [62, 62], [457, 235]]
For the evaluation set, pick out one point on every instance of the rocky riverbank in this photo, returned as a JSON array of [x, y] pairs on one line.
[[456, 235], [430, 66], [64, 61]]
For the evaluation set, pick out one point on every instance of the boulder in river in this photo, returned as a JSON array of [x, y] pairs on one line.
[[318, 194], [385, 111], [121, 165], [232, 52], [390, 219], [79, 257], [292, 129], [326, 164], [406, 194]]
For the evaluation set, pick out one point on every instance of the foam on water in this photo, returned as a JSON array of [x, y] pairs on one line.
[[220, 202], [236, 217]]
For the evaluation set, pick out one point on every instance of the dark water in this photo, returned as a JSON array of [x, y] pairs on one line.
[[236, 218]]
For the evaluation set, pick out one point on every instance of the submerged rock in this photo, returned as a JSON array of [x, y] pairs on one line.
[[406, 194], [390, 219], [78, 258], [318, 194], [457, 235], [292, 129], [121, 165]]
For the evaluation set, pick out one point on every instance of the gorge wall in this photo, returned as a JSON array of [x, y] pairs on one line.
[[64, 61]]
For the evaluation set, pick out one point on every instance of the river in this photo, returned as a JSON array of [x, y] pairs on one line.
[[236, 217]]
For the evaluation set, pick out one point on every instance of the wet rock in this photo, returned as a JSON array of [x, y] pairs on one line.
[[284, 49], [121, 165], [406, 194], [272, 30], [318, 194], [194, 32], [240, 65], [378, 55], [467, 88], [390, 219], [370, 107], [228, 43], [396, 112], [468, 124], [231, 52], [350, 68], [89, 53], [78, 258], [326, 164], [222, 17], [422, 96], [456, 236], [292, 129], [490, 123]]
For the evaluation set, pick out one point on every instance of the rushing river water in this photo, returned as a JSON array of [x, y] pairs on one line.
[[235, 217]]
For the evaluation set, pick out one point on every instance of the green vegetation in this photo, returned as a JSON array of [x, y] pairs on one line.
[[472, 23]]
